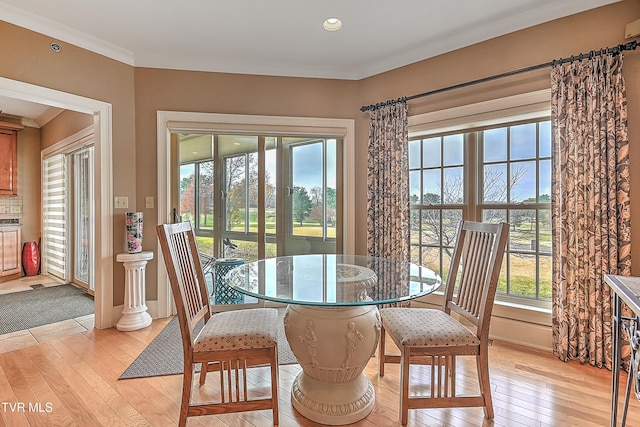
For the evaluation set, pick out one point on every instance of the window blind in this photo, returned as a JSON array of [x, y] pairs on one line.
[[54, 217]]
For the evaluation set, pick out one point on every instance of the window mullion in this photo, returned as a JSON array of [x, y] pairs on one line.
[[261, 198], [196, 199], [246, 194], [472, 176], [324, 189], [218, 204]]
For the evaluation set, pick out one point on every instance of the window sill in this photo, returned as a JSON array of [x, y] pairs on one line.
[[522, 312]]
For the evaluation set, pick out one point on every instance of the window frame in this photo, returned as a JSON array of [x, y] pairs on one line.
[[292, 146], [468, 120], [172, 122]]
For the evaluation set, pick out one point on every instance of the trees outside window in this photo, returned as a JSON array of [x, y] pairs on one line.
[[498, 174], [228, 187], [302, 205]]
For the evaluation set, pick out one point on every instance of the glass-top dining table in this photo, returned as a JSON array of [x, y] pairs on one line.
[[332, 322]]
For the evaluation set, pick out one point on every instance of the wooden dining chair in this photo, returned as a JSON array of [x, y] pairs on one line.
[[228, 343], [437, 336]]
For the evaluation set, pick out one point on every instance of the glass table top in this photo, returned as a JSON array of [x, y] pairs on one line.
[[333, 280]]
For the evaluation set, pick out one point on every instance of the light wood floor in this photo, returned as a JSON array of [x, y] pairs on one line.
[[25, 283], [73, 380]]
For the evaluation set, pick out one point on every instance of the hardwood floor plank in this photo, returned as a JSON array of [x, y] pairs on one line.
[[8, 416], [79, 374], [94, 394], [137, 393], [34, 408], [57, 413], [92, 400], [74, 403]]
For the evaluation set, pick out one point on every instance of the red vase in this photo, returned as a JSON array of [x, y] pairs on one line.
[[30, 258]]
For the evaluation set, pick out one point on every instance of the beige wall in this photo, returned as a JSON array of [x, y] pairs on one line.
[[63, 126], [222, 93], [28, 58], [29, 183], [136, 95]]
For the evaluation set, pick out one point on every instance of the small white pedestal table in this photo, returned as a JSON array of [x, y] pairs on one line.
[[134, 313], [332, 322]]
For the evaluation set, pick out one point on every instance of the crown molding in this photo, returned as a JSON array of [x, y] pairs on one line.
[[61, 32]]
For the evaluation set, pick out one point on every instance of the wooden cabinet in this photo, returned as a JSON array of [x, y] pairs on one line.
[[10, 254], [9, 158]]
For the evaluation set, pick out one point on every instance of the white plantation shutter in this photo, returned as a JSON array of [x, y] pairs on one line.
[[54, 244]]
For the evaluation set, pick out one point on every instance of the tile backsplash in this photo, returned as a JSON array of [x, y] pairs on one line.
[[10, 207]]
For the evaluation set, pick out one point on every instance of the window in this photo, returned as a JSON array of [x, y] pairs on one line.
[[494, 173], [197, 179], [277, 193], [313, 181]]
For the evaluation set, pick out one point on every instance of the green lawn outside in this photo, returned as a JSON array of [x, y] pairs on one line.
[[308, 228], [522, 273], [522, 266]]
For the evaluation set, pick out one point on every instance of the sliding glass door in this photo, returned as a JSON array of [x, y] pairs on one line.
[[82, 198], [253, 196], [68, 214]]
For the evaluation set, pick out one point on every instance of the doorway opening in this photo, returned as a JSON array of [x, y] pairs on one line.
[[103, 196]]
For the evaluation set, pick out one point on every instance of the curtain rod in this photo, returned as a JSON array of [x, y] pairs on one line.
[[613, 50]]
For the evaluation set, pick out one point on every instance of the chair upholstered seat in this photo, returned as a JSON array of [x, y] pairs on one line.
[[424, 327], [239, 330]]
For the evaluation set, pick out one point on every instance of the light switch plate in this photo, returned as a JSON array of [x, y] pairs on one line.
[[149, 202], [121, 202]]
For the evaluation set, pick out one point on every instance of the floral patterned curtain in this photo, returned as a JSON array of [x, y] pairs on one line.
[[589, 202], [388, 183]]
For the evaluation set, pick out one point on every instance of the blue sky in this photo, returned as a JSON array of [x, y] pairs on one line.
[[521, 152], [307, 165]]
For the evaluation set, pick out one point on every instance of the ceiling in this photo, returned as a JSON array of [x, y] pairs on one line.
[[278, 37]]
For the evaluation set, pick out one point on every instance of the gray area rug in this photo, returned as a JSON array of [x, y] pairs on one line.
[[163, 356], [42, 306]]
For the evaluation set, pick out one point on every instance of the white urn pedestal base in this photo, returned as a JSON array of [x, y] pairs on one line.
[[333, 346], [134, 313]]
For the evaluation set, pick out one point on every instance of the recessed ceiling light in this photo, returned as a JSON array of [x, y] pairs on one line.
[[332, 24]]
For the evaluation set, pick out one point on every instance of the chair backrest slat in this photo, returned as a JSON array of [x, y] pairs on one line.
[[474, 271], [188, 286]]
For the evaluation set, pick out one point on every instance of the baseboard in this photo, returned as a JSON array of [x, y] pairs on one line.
[[521, 333], [10, 277]]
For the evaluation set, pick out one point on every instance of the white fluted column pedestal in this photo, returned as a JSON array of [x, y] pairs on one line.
[[134, 313]]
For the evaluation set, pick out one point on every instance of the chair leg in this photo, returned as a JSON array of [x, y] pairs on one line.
[[187, 382], [381, 350], [404, 385], [204, 367], [274, 385], [482, 363]]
